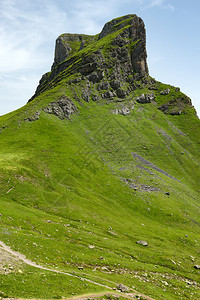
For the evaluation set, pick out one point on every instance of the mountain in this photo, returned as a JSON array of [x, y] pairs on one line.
[[99, 178]]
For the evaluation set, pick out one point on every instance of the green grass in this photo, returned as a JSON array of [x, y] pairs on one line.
[[69, 172], [64, 187]]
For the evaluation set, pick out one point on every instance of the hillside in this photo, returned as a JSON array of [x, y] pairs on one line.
[[99, 177]]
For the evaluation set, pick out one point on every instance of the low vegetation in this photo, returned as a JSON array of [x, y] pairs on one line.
[[78, 195]]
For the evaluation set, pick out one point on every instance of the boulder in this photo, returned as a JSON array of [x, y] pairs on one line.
[[125, 111], [146, 98], [96, 76], [122, 93], [62, 108], [197, 267], [143, 243], [103, 86], [115, 84], [122, 288], [165, 92]]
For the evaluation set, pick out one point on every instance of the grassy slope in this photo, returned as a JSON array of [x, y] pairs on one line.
[[69, 172], [62, 190]]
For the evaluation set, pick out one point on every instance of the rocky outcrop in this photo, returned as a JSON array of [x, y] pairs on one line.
[[124, 109], [66, 45], [110, 66], [34, 117], [62, 108], [165, 92], [119, 59], [136, 35], [145, 98], [122, 288], [176, 106]]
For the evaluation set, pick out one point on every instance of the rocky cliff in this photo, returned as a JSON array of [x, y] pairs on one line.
[[111, 66], [117, 54]]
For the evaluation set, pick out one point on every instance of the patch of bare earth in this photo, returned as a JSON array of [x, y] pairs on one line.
[[9, 263]]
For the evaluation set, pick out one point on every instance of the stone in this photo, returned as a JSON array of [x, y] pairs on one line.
[[127, 56], [86, 97], [35, 117], [116, 111], [62, 108], [165, 283], [125, 111], [189, 282], [91, 246], [145, 98], [103, 86], [104, 269], [96, 76], [197, 267], [108, 94], [153, 87], [115, 84], [165, 92], [143, 243], [176, 106], [88, 68], [121, 287], [95, 98], [122, 93], [63, 48]]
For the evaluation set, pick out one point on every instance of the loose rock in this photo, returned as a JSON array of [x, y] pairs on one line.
[[145, 98], [122, 288], [143, 243], [165, 92], [91, 246], [197, 267]]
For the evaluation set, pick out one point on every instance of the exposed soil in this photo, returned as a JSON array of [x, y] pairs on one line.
[[8, 262], [14, 259]]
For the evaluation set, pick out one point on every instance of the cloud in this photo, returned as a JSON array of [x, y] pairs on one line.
[[29, 28], [163, 4], [27, 36], [23, 33], [156, 3]]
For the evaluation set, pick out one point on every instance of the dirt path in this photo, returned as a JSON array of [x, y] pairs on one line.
[[22, 257]]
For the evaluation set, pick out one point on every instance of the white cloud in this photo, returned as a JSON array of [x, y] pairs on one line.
[[27, 36], [170, 7], [162, 3], [156, 3]]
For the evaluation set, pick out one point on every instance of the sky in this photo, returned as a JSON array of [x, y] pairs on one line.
[[28, 30]]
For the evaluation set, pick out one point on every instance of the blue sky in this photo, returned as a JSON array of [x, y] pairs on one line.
[[28, 30]]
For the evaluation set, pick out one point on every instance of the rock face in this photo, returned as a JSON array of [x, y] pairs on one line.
[[122, 288], [145, 98], [62, 108], [117, 54], [63, 48], [137, 35], [108, 67]]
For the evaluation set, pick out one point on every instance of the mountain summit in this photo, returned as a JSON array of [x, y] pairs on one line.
[[99, 178], [112, 65], [117, 54]]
